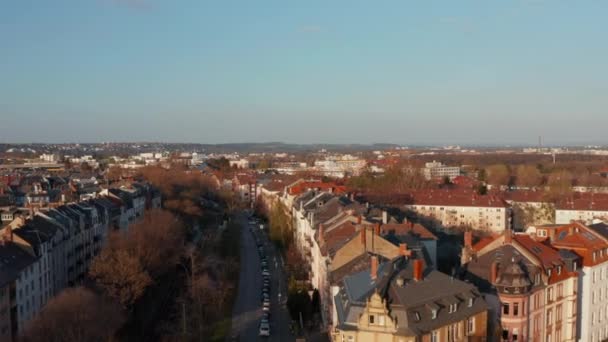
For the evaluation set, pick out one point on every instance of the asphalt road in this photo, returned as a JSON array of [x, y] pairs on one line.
[[247, 309]]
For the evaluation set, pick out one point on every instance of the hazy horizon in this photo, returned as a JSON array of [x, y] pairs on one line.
[[429, 73]]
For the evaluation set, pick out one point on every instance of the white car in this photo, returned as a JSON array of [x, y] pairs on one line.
[[264, 329]]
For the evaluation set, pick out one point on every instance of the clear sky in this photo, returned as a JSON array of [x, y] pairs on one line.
[[326, 71]]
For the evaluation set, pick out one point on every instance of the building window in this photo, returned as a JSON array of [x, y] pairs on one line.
[[433, 313], [453, 308], [371, 319], [471, 326], [435, 336], [505, 308], [515, 309], [470, 302], [514, 335], [549, 317], [505, 335]]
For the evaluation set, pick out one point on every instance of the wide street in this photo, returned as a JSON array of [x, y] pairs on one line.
[[247, 309]]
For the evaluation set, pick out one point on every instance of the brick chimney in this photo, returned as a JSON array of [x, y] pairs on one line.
[[377, 229], [417, 270], [363, 237], [374, 267], [321, 233], [403, 251], [468, 239], [508, 236], [494, 272]]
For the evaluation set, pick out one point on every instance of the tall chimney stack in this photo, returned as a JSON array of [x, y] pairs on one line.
[[494, 272], [321, 233], [468, 239], [508, 236], [418, 269], [374, 268], [363, 237], [377, 229], [384, 217]]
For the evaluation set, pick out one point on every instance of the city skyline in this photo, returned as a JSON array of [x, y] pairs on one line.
[[431, 73]]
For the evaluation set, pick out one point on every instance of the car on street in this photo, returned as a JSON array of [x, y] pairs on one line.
[[264, 329]]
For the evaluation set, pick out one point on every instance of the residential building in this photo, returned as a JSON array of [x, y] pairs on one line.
[[436, 169], [449, 208], [400, 300], [532, 288], [16, 288], [584, 207], [590, 244]]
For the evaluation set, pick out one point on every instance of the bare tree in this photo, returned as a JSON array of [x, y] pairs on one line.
[[528, 176], [498, 174], [76, 314], [156, 241], [120, 274]]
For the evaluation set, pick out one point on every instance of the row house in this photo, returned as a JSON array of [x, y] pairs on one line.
[[403, 301], [590, 244], [326, 230], [532, 289], [19, 267], [448, 208], [246, 187], [61, 243]]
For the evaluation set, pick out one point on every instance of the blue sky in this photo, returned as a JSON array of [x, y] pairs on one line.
[[466, 72]]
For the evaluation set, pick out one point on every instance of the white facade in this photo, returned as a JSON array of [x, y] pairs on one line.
[[564, 216], [438, 170], [593, 307], [494, 219]]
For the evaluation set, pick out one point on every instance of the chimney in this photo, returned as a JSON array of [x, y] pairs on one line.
[[403, 251], [468, 239], [321, 234], [384, 217], [377, 229], [508, 236], [374, 268], [494, 272], [417, 270], [362, 232]]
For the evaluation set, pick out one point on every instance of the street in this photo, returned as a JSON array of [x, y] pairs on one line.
[[247, 310]]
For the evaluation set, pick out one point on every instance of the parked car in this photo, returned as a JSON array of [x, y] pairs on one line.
[[264, 329]]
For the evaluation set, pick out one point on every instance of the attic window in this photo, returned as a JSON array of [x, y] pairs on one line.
[[559, 270], [453, 308], [470, 302], [548, 272], [433, 313], [417, 316]]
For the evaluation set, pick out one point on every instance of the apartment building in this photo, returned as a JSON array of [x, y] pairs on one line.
[[449, 208], [434, 170], [590, 244], [401, 301], [532, 288], [584, 207]]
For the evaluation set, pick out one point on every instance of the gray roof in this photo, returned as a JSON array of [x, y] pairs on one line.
[[411, 302], [13, 260], [600, 228]]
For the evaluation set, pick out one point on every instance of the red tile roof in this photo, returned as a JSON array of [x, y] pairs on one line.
[[408, 228], [457, 198], [584, 201], [548, 256]]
